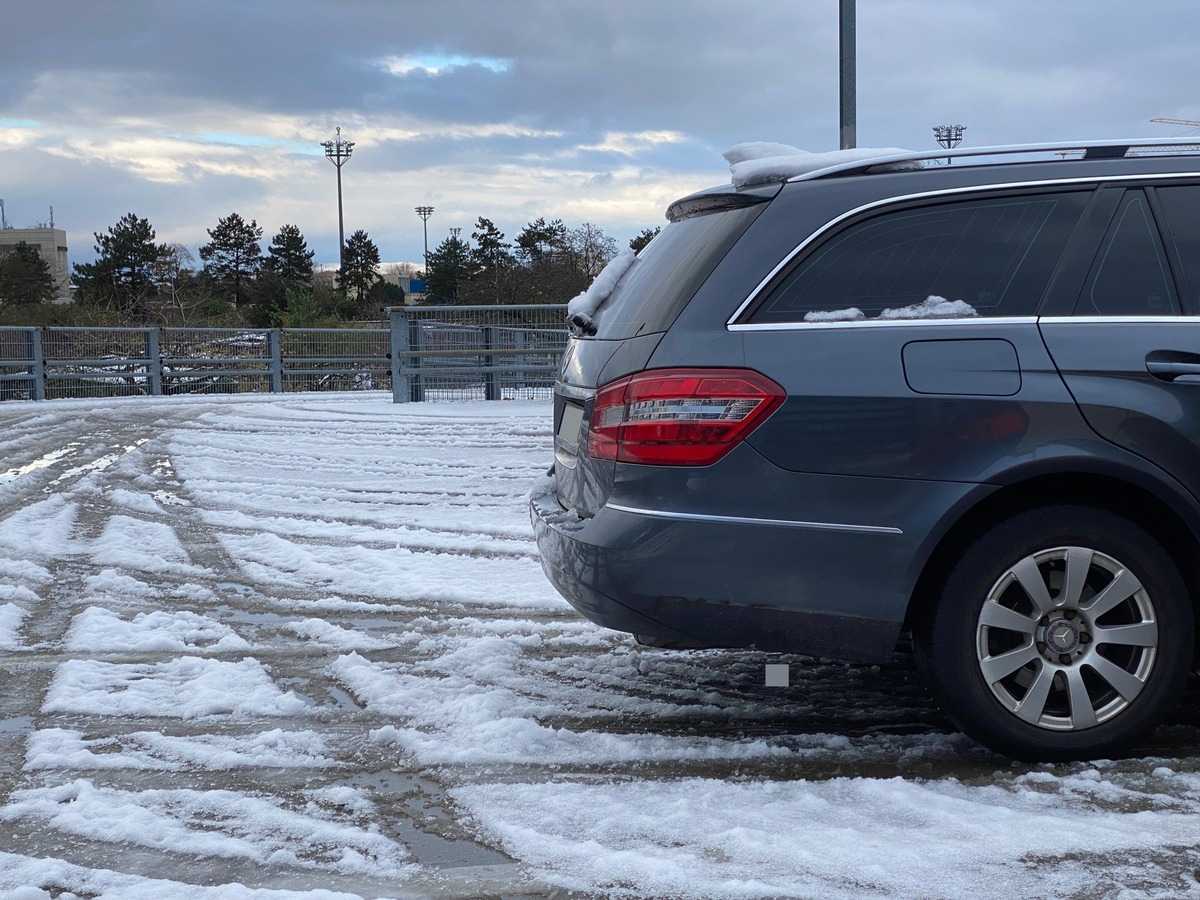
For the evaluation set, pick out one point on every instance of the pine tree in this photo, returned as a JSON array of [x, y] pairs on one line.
[[449, 268], [122, 277], [289, 258], [360, 266], [648, 234], [233, 257], [25, 277]]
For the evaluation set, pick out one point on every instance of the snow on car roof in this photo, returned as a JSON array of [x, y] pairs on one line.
[[759, 162]]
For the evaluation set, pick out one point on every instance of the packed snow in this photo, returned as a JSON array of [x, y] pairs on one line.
[[581, 310], [932, 307], [301, 647], [761, 162]]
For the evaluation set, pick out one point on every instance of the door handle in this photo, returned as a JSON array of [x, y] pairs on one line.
[[1174, 366]]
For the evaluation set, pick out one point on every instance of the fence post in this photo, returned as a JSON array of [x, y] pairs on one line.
[[416, 341], [491, 380], [37, 367], [275, 352], [397, 344], [154, 369], [520, 342]]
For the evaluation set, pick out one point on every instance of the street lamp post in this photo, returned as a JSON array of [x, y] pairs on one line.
[[949, 136], [337, 152], [425, 212], [847, 75]]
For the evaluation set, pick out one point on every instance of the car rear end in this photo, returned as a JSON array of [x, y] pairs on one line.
[[652, 521]]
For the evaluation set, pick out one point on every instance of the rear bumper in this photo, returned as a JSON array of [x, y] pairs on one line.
[[803, 587]]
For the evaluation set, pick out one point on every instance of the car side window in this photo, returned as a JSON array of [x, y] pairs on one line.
[[981, 257], [1180, 205], [1130, 276]]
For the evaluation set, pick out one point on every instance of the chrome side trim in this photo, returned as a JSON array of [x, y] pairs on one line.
[[745, 520], [885, 323], [1118, 320], [573, 392], [923, 195]]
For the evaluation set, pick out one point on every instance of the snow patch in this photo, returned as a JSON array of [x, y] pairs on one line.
[[185, 688], [44, 878], [391, 573], [42, 530], [763, 162], [932, 307], [10, 624], [215, 823], [839, 839], [453, 718], [318, 631], [62, 748], [99, 629], [853, 314], [143, 546], [582, 309]]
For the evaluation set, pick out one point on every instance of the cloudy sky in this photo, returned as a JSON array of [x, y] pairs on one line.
[[586, 110]]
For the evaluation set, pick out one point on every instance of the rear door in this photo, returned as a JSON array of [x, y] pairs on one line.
[[1130, 352], [907, 342]]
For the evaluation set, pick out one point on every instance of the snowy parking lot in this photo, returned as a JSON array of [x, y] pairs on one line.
[[301, 646]]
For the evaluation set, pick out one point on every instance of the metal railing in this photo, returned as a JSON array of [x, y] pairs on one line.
[[428, 353], [476, 352]]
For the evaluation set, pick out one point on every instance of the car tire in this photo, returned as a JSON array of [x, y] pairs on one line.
[[1062, 633]]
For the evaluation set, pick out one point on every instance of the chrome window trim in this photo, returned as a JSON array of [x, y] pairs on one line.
[[1117, 320], [745, 520], [732, 324], [885, 323]]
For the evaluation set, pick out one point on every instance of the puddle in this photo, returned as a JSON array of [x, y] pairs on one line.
[[16, 725], [396, 792]]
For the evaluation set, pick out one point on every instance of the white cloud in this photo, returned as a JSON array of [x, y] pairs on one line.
[[439, 64], [629, 143]]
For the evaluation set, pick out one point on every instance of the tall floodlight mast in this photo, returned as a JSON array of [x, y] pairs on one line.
[[949, 136], [425, 212], [337, 152]]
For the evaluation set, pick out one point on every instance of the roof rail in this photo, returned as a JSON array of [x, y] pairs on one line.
[[1111, 149]]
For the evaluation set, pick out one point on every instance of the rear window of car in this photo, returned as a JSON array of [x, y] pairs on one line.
[[669, 271], [983, 257]]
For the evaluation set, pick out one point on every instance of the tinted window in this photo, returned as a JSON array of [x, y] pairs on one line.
[[669, 270], [981, 257], [1130, 276], [1181, 206]]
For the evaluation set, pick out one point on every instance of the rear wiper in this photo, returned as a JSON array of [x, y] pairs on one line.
[[581, 325]]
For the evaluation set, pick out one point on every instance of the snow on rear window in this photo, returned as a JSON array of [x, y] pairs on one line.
[[583, 307]]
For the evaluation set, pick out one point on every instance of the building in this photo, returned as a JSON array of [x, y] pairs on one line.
[[51, 244]]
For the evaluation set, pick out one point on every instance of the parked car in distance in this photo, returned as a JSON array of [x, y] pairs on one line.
[[871, 397]]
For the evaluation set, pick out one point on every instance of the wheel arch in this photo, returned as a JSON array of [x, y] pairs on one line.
[[1170, 516]]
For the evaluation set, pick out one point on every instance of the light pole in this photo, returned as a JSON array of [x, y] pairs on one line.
[[425, 212], [949, 136], [337, 152], [847, 76]]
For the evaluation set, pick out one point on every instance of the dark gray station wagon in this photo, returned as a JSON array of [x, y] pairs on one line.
[[886, 397]]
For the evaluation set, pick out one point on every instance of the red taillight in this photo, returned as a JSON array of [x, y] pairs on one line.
[[679, 417]]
